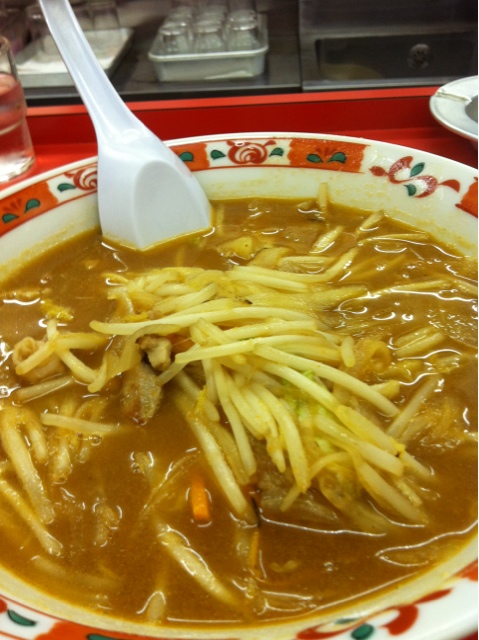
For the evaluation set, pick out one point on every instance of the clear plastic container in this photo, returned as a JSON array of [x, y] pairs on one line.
[[243, 62]]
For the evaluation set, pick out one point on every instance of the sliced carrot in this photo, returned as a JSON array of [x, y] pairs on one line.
[[180, 343], [199, 499], [253, 555]]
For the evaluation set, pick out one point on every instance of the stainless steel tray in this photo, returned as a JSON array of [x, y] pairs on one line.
[[38, 70], [219, 65]]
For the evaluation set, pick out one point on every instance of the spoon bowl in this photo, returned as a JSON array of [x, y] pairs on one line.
[[146, 194]]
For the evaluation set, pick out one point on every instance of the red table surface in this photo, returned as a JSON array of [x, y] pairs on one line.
[[63, 134]]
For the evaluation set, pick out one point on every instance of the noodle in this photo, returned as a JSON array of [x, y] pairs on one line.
[[224, 393], [325, 240], [187, 384], [16, 449], [401, 421], [193, 563], [186, 320], [218, 464], [50, 544], [245, 421], [77, 424], [25, 394], [37, 438], [290, 437], [385, 493], [37, 358], [329, 373]]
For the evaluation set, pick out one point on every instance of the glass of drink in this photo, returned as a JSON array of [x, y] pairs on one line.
[[16, 149]]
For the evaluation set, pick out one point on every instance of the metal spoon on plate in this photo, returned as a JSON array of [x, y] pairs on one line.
[[146, 194]]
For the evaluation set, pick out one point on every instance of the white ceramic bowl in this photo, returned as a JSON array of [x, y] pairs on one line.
[[434, 193]]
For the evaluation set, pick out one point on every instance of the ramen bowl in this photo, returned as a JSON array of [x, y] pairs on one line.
[[418, 188]]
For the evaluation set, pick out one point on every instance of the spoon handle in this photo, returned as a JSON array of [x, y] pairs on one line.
[[90, 79]]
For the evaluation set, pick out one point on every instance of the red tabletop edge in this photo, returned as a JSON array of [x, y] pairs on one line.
[[64, 134]]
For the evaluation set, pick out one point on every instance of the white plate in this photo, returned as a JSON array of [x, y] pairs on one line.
[[455, 106]]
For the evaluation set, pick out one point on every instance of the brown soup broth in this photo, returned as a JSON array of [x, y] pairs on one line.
[[303, 564]]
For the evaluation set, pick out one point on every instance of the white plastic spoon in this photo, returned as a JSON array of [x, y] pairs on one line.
[[146, 194]]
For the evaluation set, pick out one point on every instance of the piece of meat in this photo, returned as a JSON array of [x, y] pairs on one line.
[[141, 393], [158, 351]]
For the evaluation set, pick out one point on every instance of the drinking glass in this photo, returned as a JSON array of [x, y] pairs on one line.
[[181, 4], [175, 38], [236, 5], [83, 15], [16, 149], [209, 37], [106, 35], [104, 15], [242, 31], [186, 13], [212, 12], [40, 34]]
